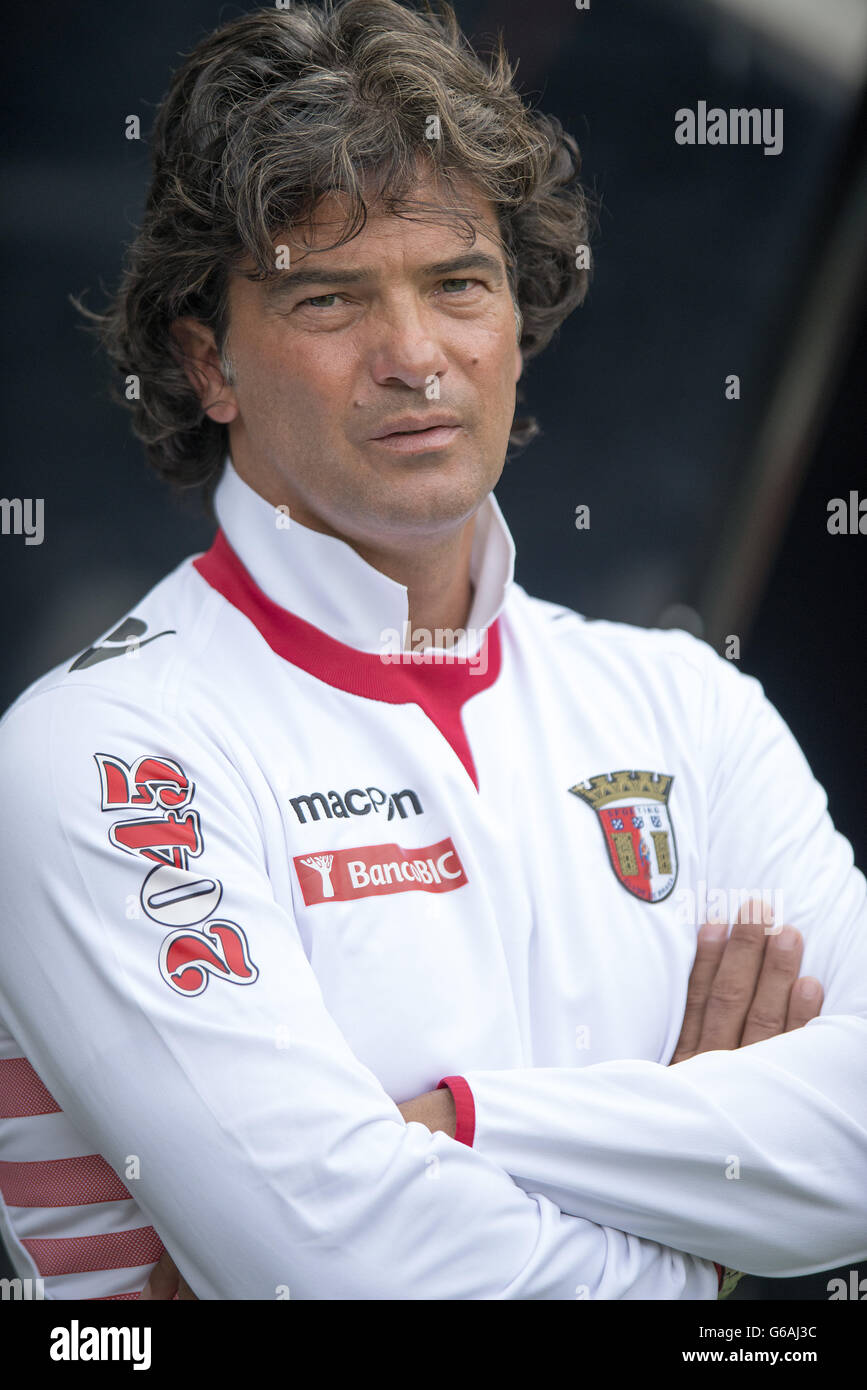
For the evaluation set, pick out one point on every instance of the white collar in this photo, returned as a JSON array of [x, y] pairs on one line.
[[324, 581]]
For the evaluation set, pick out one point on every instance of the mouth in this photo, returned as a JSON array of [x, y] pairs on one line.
[[418, 441]]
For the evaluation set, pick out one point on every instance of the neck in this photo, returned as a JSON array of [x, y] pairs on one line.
[[437, 579], [435, 570]]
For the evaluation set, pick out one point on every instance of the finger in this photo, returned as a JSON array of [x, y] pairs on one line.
[[805, 1003], [766, 1016], [735, 983], [708, 954], [163, 1281], [185, 1293]]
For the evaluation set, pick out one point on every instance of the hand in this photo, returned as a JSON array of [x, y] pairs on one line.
[[167, 1282], [744, 987]]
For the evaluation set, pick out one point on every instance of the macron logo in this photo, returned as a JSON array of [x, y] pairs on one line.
[[343, 874]]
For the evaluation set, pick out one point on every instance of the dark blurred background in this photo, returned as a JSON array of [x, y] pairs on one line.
[[706, 513]]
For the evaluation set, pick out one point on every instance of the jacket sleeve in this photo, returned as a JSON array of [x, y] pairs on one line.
[[164, 998], [755, 1157]]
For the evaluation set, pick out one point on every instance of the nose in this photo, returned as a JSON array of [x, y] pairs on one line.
[[406, 350]]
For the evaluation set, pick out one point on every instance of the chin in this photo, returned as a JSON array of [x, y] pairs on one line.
[[434, 501]]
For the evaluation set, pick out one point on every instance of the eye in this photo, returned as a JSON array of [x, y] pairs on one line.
[[457, 281], [316, 301]]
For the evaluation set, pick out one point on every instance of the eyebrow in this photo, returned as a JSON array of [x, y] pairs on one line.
[[286, 282]]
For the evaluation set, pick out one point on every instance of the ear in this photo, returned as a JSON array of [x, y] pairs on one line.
[[201, 362]]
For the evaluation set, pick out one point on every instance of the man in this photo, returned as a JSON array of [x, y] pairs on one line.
[[288, 877]]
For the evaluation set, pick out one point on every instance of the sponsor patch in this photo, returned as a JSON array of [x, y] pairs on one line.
[[371, 870]]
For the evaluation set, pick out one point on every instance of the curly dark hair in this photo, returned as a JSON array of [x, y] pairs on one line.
[[274, 111]]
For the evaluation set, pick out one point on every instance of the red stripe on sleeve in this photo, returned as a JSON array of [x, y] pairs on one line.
[[21, 1091], [60, 1182], [87, 1254]]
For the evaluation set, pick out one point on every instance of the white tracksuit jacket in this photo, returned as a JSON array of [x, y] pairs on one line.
[[261, 885]]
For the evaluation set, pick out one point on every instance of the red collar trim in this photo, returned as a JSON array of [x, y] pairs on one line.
[[440, 690]]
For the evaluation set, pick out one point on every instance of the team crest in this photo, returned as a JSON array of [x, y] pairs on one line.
[[633, 811]]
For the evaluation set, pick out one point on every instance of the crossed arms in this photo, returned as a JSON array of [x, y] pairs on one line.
[[264, 1166], [743, 989]]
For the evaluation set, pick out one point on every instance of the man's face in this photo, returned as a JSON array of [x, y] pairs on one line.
[[355, 341]]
